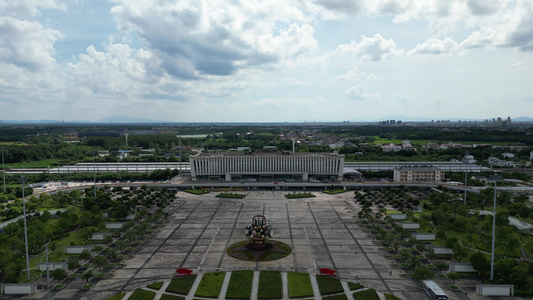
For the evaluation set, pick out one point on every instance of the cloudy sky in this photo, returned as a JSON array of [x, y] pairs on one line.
[[265, 61]]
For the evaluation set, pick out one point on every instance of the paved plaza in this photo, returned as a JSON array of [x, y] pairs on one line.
[[323, 232]]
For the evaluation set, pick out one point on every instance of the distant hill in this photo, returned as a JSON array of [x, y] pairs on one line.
[[127, 120]]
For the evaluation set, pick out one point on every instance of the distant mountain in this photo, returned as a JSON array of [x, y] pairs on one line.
[[522, 119], [127, 120]]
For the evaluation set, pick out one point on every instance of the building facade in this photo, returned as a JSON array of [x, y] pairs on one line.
[[267, 167], [418, 173]]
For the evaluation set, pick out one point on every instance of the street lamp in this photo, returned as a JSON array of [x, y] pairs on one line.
[[25, 230], [3, 169], [493, 233]]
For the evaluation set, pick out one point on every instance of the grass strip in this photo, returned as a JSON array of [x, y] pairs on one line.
[[171, 297], [329, 285], [354, 286], [229, 195], [240, 285], [272, 280], [210, 285], [155, 285], [299, 285], [366, 295], [116, 297], [181, 284], [392, 297], [140, 294], [336, 297]]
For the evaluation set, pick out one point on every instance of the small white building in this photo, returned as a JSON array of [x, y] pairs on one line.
[[418, 173], [508, 155]]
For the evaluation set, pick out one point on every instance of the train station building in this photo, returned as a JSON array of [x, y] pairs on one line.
[[265, 167]]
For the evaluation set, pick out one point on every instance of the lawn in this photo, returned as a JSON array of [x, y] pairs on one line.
[[299, 285], [210, 285], [156, 285], [336, 297], [329, 285], [140, 294], [354, 286], [181, 284], [240, 285], [171, 297], [272, 279], [34, 164], [117, 297], [197, 192], [392, 297], [366, 295]]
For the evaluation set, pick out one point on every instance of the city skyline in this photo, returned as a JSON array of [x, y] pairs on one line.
[[275, 61]]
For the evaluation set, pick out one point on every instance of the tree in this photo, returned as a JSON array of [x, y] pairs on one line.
[[504, 267], [441, 266], [107, 240], [112, 255], [73, 263], [480, 262], [85, 255], [502, 218], [423, 272], [453, 276], [59, 274], [100, 262], [87, 275]]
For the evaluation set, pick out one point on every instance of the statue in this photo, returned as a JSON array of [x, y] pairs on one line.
[[258, 233]]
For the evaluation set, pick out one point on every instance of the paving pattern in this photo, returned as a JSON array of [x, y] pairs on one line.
[[322, 231]]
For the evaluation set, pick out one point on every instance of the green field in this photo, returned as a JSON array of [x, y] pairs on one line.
[[240, 285], [210, 285], [299, 285], [272, 279], [33, 164]]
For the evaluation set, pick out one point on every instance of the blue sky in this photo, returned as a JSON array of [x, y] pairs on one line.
[[265, 61]]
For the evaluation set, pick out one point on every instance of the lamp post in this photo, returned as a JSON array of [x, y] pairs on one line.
[[3, 169], [49, 296], [94, 176], [25, 230], [493, 233], [465, 190]]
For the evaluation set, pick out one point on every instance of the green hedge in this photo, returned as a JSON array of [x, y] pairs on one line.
[[181, 284], [299, 195], [271, 280], [229, 195], [299, 285], [240, 285], [210, 285], [329, 285], [334, 192], [197, 192]]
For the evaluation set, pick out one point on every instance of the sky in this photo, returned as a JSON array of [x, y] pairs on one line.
[[265, 61]]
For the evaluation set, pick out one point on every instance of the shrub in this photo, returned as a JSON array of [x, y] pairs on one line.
[[155, 285]]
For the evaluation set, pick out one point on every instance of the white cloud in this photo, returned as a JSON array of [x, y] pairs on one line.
[[435, 46], [374, 48], [197, 38], [519, 66], [28, 8], [352, 74], [27, 44], [358, 93]]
